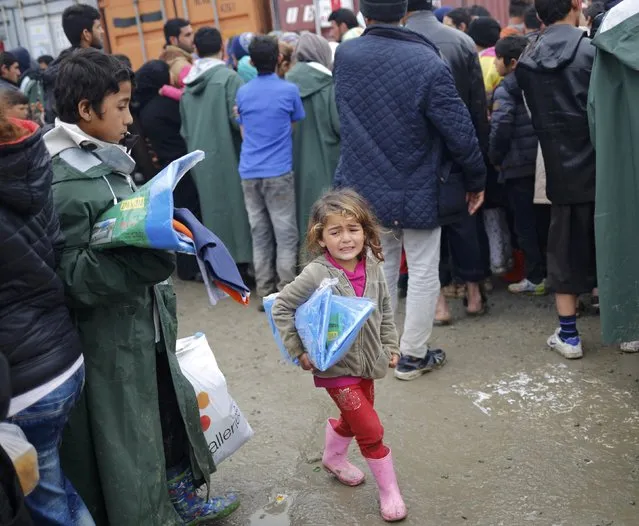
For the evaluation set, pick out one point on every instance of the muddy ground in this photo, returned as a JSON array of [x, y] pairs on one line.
[[507, 433]]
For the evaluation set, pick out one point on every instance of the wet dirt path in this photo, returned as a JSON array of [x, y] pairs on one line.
[[507, 433]]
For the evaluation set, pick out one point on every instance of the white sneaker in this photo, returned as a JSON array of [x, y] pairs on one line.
[[528, 287], [630, 347], [567, 350]]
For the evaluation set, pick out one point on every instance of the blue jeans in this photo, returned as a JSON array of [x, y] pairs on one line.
[[54, 502]]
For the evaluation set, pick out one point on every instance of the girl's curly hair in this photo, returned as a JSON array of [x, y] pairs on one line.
[[347, 203]]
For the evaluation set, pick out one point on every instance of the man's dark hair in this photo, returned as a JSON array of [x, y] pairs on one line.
[[264, 52], [511, 48], [460, 16], [7, 59], [46, 59], [594, 9], [77, 18], [518, 7], [124, 59], [484, 31], [14, 97], [478, 10], [531, 20], [208, 41], [87, 74], [173, 28], [344, 16], [551, 11]]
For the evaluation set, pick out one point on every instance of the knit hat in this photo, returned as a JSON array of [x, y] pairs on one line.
[[484, 31], [420, 5], [384, 10]]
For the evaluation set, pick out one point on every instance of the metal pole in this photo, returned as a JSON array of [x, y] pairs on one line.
[[318, 23], [24, 24], [163, 10], [6, 25], [138, 23], [49, 29], [185, 8], [216, 15]]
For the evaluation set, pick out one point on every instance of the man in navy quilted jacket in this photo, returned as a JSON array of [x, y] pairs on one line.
[[403, 126]]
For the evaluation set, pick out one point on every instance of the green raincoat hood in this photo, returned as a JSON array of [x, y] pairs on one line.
[[619, 33], [309, 78], [197, 78]]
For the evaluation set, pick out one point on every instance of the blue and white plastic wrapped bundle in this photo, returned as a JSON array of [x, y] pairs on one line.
[[327, 324]]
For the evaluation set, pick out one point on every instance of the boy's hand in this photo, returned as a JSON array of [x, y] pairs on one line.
[[305, 362], [394, 361]]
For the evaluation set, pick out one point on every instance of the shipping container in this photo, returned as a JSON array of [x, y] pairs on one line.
[[498, 8], [35, 25], [136, 27], [299, 15]]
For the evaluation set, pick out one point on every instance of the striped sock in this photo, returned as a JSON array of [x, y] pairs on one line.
[[568, 332]]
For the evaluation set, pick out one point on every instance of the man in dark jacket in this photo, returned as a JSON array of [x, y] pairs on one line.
[[513, 149], [395, 151], [554, 74], [82, 26], [460, 243]]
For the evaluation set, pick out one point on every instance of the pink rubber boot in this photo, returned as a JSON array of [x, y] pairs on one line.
[[334, 458], [392, 505]]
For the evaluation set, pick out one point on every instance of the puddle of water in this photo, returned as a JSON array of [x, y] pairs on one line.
[[275, 513]]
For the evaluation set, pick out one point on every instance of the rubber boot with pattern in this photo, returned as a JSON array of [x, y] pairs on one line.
[[193, 509]]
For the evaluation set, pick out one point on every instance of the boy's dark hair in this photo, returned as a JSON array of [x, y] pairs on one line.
[[264, 53], [7, 59], [14, 98], [47, 59], [460, 16], [344, 16], [77, 18], [531, 20], [173, 27], [87, 74], [208, 42], [478, 10], [510, 48], [551, 11], [518, 8], [484, 31], [124, 59]]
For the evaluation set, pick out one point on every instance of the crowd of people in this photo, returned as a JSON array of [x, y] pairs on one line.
[[453, 151]]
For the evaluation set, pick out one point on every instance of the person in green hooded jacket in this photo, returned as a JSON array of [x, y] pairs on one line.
[[614, 122], [134, 447], [316, 139], [209, 124]]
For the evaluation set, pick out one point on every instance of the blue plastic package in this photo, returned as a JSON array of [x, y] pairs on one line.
[[327, 325]]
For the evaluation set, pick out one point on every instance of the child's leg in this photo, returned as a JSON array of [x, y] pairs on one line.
[[355, 403]]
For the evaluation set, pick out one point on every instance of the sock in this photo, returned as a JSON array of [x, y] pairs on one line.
[[568, 332]]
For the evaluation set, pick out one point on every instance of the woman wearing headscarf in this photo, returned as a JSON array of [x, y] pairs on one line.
[[159, 119], [240, 56], [316, 139]]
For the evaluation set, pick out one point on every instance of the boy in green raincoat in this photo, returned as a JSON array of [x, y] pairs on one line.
[[134, 447]]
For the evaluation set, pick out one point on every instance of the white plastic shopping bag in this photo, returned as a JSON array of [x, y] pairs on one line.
[[22, 454], [223, 424]]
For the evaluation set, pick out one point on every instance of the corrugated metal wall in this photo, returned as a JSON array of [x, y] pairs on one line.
[[498, 8], [35, 25]]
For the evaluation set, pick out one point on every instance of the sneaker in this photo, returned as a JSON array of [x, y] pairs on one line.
[[630, 347], [410, 368], [528, 287], [570, 349]]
